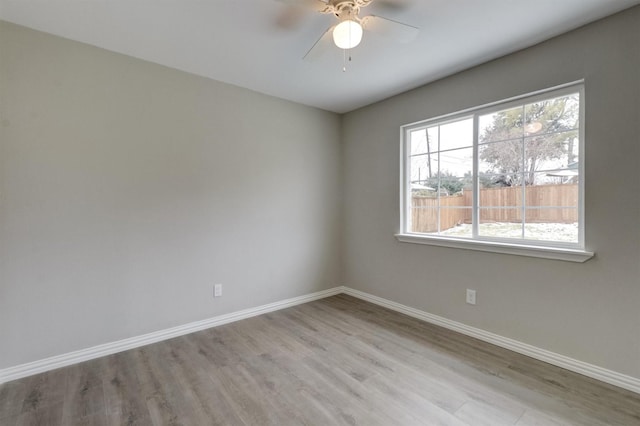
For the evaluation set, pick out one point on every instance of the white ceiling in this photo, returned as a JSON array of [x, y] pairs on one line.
[[238, 41]]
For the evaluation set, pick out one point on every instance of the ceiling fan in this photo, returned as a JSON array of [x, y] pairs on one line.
[[348, 32]]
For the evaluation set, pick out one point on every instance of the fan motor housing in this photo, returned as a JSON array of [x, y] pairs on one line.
[[347, 9]]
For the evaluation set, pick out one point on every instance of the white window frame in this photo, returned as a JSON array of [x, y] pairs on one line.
[[575, 252]]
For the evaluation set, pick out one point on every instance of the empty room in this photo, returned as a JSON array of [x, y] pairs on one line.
[[319, 212]]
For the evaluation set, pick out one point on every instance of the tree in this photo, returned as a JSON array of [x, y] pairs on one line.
[[448, 181], [529, 135]]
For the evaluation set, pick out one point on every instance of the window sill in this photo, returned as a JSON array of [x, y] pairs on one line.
[[556, 253]]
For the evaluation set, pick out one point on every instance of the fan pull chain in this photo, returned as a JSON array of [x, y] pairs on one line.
[[344, 59]]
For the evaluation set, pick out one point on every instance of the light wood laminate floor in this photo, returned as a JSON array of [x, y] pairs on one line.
[[336, 361]]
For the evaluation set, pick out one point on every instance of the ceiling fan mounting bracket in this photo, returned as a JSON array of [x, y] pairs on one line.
[[346, 9]]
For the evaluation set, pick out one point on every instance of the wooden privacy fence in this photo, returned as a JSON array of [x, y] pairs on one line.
[[545, 204], [424, 212]]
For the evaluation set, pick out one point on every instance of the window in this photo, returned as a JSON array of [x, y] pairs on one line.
[[505, 177]]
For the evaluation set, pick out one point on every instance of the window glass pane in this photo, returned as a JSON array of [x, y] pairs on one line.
[[455, 172], [500, 222], [552, 224], [552, 115], [419, 142], [502, 159], [454, 221], [433, 134], [501, 196], [424, 214], [501, 125], [552, 191], [552, 208], [458, 162], [555, 151], [500, 215], [423, 168], [458, 134], [499, 180]]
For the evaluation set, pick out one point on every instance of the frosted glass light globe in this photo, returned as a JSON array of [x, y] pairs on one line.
[[347, 34]]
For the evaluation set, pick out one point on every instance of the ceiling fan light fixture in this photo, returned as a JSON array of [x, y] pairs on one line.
[[347, 34]]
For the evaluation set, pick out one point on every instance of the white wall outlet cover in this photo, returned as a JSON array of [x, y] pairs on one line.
[[471, 297]]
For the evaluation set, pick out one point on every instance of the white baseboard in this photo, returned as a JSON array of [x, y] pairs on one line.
[[590, 370], [584, 368], [24, 370]]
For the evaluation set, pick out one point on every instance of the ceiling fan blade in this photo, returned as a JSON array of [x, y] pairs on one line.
[[316, 5], [324, 43], [386, 27], [311, 5], [392, 5], [291, 18], [296, 10]]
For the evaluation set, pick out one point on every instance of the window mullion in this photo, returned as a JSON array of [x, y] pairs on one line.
[[475, 212], [523, 211], [439, 213], [405, 185]]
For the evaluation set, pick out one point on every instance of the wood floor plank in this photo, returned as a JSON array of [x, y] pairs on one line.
[[331, 395], [247, 403], [194, 374], [537, 418], [335, 361], [43, 390], [418, 406], [479, 414], [83, 393], [50, 415], [290, 387], [286, 340], [367, 396], [12, 396], [124, 403], [164, 400]]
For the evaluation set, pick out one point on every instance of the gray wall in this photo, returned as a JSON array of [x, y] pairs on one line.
[[128, 189], [587, 311]]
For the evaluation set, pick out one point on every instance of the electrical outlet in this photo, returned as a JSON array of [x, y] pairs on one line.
[[471, 297], [217, 290]]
